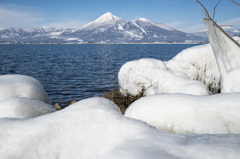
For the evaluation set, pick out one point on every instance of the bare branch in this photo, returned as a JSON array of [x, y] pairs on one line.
[[209, 18], [205, 10], [236, 2], [215, 8]]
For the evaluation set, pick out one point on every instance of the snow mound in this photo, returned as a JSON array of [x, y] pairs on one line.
[[21, 107], [181, 113], [153, 76], [94, 128], [22, 86]]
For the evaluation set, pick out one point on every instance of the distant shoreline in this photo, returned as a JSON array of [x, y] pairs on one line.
[[102, 43]]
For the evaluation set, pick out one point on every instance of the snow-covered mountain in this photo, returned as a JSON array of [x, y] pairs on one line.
[[105, 29], [104, 22], [143, 30]]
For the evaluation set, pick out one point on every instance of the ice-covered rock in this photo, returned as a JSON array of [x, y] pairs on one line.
[[22, 86], [182, 113], [153, 77], [94, 128], [227, 54], [20, 107], [198, 63], [192, 64]]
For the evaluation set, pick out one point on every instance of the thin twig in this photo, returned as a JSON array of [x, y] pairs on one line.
[[236, 2], [215, 9], [205, 10], [209, 18]]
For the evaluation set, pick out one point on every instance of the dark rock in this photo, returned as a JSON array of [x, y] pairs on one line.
[[121, 101], [57, 106], [74, 101]]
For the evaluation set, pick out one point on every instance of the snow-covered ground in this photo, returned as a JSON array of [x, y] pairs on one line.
[[21, 107], [183, 113], [95, 128]]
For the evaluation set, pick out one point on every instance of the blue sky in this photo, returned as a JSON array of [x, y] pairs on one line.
[[183, 15]]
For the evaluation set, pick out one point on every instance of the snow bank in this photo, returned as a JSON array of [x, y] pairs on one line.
[[95, 128], [227, 54], [154, 77], [21, 107], [22, 86], [181, 113]]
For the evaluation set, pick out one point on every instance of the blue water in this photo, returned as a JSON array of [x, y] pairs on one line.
[[75, 72]]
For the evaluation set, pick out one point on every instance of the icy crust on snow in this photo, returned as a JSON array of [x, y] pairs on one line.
[[20, 107], [153, 77], [227, 54], [198, 63], [182, 113], [84, 130], [22, 86]]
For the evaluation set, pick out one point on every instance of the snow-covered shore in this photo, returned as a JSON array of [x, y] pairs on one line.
[[178, 118], [94, 128]]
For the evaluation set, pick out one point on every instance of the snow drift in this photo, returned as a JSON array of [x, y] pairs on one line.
[[94, 128], [20, 107], [182, 113], [22, 86]]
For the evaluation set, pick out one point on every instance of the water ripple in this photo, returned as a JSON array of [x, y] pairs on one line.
[[70, 72]]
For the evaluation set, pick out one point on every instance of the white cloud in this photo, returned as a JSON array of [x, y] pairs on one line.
[[193, 28], [25, 17], [66, 24], [235, 22], [10, 16]]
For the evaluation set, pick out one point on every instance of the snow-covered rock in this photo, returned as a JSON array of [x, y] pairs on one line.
[[179, 74], [198, 63], [182, 113], [20, 107], [153, 77], [22, 86], [94, 128]]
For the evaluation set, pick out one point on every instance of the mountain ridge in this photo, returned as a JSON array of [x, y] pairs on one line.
[[108, 28]]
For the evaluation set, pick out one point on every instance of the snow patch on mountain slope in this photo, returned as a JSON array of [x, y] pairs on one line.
[[156, 24], [134, 23], [131, 34]]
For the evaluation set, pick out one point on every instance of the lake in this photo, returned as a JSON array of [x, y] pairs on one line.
[[74, 72]]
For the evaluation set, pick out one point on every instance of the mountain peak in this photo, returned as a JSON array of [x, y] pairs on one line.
[[108, 17], [104, 22], [107, 14], [144, 19]]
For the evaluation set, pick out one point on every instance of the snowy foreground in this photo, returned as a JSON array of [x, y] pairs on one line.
[[95, 128], [182, 113]]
